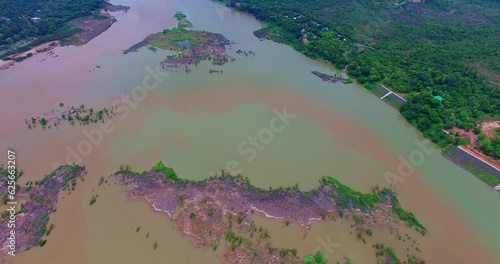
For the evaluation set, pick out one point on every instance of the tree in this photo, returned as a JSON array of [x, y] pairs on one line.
[[43, 122], [317, 258]]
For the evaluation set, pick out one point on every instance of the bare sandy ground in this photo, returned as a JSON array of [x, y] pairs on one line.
[[489, 128], [91, 27], [6, 63], [47, 46]]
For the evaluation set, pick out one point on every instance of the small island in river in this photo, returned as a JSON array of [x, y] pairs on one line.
[[219, 209], [192, 46], [217, 212], [82, 115], [37, 200]]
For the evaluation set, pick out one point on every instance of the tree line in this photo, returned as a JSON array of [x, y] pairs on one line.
[[38, 21], [421, 50]]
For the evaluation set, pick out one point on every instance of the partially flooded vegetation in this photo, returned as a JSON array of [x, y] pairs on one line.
[[195, 121], [332, 79], [70, 115], [192, 46], [218, 208], [40, 201]]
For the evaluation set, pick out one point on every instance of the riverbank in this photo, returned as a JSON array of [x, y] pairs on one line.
[[467, 157], [275, 33], [77, 32], [332, 79], [91, 27], [15, 58], [341, 51]]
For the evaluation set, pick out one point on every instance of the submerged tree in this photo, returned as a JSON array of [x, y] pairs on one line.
[[317, 258], [43, 122]]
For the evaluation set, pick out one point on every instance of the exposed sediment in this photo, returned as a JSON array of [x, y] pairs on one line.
[[92, 26], [206, 46], [237, 195], [36, 202], [266, 33], [200, 209], [192, 46], [116, 8]]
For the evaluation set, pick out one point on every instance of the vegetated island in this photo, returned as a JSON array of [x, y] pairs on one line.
[[218, 209], [70, 115], [192, 46], [35, 202], [39, 26]]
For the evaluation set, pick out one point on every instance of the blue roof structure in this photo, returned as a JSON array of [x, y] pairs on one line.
[[439, 98]]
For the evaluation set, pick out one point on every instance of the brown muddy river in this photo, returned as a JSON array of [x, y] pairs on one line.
[[198, 123]]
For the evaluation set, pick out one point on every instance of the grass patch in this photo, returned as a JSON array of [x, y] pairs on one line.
[[126, 169], [348, 197], [234, 239], [182, 21], [274, 33], [392, 102], [488, 178], [169, 172], [405, 215], [392, 256], [317, 258], [169, 38], [179, 16]]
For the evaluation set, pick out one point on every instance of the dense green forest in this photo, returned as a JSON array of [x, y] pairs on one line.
[[36, 21], [449, 48]]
